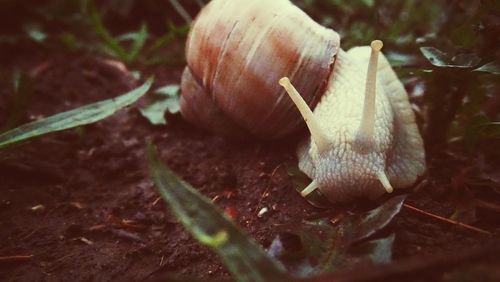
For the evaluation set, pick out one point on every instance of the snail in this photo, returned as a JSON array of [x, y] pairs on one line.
[[247, 62]]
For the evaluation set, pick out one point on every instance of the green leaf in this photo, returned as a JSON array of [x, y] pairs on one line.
[[368, 3], [35, 33], [286, 246], [466, 60], [155, 112], [376, 251], [110, 42], [138, 39], [244, 258], [381, 249], [440, 59], [367, 224], [491, 67], [400, 59], [73, 118], [168, 91], [326, 248], [436, 56], [173, 33]]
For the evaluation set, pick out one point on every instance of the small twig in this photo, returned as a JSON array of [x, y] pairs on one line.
[[13, 259], [266, 192], [447, 220], [39, 226], [86, 241], [487, 205], [155, 202], [182, 12], [264, 195], [132, 225]]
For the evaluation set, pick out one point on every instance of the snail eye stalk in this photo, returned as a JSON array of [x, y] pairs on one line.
[[366, 128], [385, 182], [317, 134], [309, 189]]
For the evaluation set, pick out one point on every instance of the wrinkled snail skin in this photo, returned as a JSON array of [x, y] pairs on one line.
[[343, 172], [364, 140]]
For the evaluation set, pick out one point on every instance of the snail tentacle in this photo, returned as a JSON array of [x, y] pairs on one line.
[[365, 134], [309, 189], [382, 176], [317, 134]]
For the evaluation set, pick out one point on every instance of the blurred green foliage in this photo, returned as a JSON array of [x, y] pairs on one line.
[[115, 28]]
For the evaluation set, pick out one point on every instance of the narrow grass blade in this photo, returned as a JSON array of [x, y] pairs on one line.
[[375, 220], [182, 12], [73, 118], [23, 90], [242, 256], [109, 41]]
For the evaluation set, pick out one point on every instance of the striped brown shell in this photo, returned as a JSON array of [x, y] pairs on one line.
[[236, 52]]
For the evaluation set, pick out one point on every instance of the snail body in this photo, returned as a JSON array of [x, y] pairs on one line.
[[364, 139]]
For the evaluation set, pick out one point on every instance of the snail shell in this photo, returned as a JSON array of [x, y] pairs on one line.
[[237, 51]]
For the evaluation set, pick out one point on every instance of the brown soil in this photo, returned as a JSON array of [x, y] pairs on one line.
[[102, 219]]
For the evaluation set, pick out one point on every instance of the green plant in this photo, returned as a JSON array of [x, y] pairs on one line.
[[167, 100], [80, 26], [73, 118], [131, 47], [113, 45]]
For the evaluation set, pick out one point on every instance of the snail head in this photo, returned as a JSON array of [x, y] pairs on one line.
[[348, 164]]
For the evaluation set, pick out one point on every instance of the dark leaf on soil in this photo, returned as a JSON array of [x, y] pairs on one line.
[[324, 247], [491, 67], [466, 60], [440, 59], [244, 258], [367, 224], [435, 56], [376, 251]]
